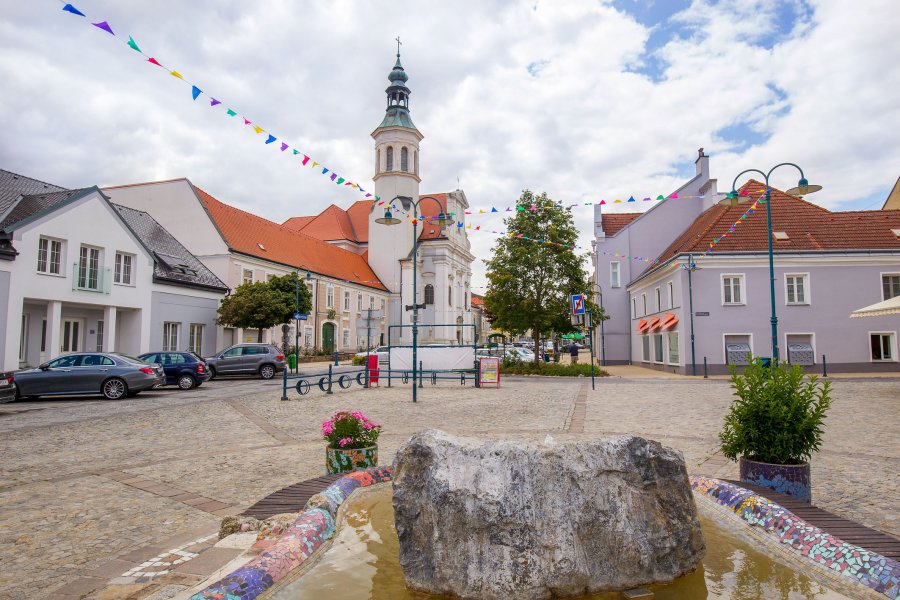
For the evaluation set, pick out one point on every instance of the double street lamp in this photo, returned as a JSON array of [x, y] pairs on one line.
[[803, 188], [441, 220]]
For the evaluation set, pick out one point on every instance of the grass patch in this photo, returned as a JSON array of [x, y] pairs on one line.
[[550, 369]]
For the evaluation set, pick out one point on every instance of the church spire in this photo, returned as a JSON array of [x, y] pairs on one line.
[[397, 113]]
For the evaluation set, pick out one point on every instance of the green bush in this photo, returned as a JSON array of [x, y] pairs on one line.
[[777, 416], [359, 360], [550, 369]]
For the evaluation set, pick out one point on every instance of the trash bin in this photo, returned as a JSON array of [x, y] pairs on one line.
[[292, 361], [546, 357]]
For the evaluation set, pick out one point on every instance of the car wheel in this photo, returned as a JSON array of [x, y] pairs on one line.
[[114, 389], [267, 371], [212, 373], [186, 382]]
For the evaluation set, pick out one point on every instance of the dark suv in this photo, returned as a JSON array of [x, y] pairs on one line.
[[264, 360], [184, 369]]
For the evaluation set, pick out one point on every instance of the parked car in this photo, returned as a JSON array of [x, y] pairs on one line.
[[383, 353], [184, 369], [7, 388], [111, 374], [264, 360]]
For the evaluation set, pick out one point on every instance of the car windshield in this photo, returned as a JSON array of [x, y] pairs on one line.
[[195, 356], [131, 359]]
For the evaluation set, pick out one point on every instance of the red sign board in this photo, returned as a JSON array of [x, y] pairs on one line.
[[489, 371]]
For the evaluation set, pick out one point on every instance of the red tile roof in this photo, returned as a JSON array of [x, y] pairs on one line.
[[359, 219], [430, 208], [615, 222], [249, 234], [477, 300], [808, 227], [297, 223]]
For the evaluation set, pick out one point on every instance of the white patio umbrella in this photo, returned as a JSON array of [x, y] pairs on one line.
[[888, 307]]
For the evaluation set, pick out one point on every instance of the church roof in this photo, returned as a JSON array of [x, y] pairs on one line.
[[255, 236], [397, 116]]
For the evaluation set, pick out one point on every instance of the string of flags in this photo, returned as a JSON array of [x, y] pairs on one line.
[[197, 91], [747, 213]]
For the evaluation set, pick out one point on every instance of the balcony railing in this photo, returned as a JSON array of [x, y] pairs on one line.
[[91, 280]]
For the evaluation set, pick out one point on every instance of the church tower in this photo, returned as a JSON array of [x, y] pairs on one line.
[[396, 179]]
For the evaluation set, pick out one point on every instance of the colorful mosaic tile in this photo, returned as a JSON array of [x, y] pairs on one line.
[[873, 570], [792, 480], [165, 562], [311, 529]]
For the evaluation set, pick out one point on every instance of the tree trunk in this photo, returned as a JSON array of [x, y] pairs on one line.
[[537, 347], [259, 335]]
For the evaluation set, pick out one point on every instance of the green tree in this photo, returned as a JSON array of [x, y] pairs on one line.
[[256, 305], [288, 286], [530, 278]]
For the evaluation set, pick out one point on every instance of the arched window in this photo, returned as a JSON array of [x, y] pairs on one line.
[[404, 159], [429, 294], [416, 162], [390, 159], [378, 161]]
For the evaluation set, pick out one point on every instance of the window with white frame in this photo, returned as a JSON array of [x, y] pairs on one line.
[[171, 333], [890, 286], [615, 279], [347, 301], [645, 348], [371, 302], [359, 301], [99, 336], [124, 268], [657, 347], [346, 340], [732, 289], [49, 256], [633, 307], [796, 288], [89, 268], [644, 304], [195, 338], [658, 300], [307, 337], [246, 276], [671, 287], [673, 347], [329, 296], [882, 345]]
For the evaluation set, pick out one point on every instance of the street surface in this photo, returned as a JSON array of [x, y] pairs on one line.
[[89, 488]]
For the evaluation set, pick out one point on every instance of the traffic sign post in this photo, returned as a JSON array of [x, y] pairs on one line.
[[578, 317], [577, 304]]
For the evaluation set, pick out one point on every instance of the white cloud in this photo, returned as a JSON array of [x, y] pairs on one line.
[[80, 108]]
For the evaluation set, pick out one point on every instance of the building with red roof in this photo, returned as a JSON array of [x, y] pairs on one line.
[[710, 252]]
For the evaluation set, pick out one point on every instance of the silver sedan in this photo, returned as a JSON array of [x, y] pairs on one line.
[[111, 374]]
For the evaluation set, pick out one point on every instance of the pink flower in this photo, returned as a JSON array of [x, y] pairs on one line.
[[356, 414], [368, 426], [327, 427], [344, 442]]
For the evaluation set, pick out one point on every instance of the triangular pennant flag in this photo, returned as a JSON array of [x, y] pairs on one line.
[[176, 74], [247, 121], [296, 151], [154, 61], [283, 146], [493, 209], [468, 212], [520, 208], [231, 113], [415, 221], [458, 225], [480, 211], [520, 235], [340, 180], [258, 129], [631, 199], [73, 10], [269, 139], [660, 197], [333, 176], [104, 26], [213, 102], [508, 209], [368, 195], [603, 202], [305, 160], [324, 169], [744, 193], [133, 44], [616, 200], [195, 91], [646, 199], [477, 228], [674, 195]]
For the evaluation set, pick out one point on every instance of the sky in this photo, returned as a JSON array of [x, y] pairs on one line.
[[585, 100]]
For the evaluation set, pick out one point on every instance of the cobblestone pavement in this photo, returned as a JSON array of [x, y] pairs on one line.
[[90, 490]]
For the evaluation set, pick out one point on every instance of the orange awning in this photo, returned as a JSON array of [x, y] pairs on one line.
[[669, 321], [654, 323], [642, 326]]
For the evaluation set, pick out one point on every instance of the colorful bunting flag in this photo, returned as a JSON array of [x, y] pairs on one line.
[[176, 74], [195, 91], [73, 10], [213, 102], [269, 139], [154, 61], [231, 113], [283, 146], [133, 44], [104, 26]]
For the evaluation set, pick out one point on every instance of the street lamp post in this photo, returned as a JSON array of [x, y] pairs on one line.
[[803, 188], [441, 220]]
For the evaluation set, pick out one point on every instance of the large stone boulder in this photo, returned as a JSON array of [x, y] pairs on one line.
[[514, 520]]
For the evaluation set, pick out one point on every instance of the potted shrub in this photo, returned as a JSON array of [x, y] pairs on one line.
[[774, 425], [351, 438]]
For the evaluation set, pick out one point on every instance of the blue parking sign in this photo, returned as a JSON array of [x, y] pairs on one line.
[[577, 304]]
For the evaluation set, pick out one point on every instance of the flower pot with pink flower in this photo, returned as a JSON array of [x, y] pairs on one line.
[[351, 438]]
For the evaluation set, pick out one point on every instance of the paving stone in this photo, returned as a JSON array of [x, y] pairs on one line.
[[112, 568], [209, 561]]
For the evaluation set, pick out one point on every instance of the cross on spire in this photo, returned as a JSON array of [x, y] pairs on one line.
[[398, 45]]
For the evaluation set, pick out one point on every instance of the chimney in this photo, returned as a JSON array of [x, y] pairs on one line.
[[702, 164]]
